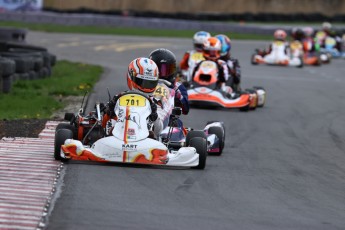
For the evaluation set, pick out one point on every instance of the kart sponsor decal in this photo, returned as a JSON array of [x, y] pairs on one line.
[[197, 56], [131, 137], [129, 147], [132, 100], [208, 65], [130, 131]]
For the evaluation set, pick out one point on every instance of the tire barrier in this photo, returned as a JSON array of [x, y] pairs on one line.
[[22, 61], [12, 34]]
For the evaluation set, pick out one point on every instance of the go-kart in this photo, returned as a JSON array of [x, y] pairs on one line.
[[331, 49], [313, 58], [277, 56], [174, 134], [204, 90], [130, 141]]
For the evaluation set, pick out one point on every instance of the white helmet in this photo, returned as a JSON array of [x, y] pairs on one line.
[[199, 38], [326, 26]]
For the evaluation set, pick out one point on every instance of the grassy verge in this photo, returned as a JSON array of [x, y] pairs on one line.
[[40, 98], [123, 31]]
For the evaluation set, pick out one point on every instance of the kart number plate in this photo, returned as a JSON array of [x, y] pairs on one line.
[[197, 56], [161, 91], [132, 100]]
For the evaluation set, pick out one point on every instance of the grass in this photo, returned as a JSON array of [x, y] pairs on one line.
[[123, 31], [40, 98]]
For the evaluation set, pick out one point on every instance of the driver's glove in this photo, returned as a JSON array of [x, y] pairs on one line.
[[153, 116], [178, 95]]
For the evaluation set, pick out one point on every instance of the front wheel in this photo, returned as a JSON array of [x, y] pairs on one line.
[[194, 133], [200, 145], [60, 136], [219, 132]]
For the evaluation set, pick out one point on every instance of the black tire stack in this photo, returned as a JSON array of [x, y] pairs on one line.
[[20, 60]]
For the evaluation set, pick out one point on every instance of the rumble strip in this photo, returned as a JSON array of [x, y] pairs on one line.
[[28, 174]]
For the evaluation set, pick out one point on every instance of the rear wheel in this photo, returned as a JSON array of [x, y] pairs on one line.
[[60, 136], [194, 133], [219, 132], [200, 145], [253, 60]]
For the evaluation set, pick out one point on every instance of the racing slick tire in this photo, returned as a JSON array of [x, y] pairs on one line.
[[219, 132], [67, 126], [200, 144], [195, 133], [60, 136], [245, 108], [252, 60]]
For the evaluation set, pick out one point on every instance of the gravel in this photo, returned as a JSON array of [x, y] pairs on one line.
[[32, 127]]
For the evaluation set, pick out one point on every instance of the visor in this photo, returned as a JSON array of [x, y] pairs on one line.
[[165, 69], [198, 46], [145, 85], [212, 53]]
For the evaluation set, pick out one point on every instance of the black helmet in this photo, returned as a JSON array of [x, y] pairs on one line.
[[166, 62], [297, 33]]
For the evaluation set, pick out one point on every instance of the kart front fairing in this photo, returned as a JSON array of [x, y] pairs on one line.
[[278, 56], [204, 89], [210, 97], [129, 142]]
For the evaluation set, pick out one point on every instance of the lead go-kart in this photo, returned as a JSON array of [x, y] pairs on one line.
[[84, 137], [204, 91]]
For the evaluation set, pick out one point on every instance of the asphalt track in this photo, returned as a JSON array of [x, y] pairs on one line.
[[283, 166]]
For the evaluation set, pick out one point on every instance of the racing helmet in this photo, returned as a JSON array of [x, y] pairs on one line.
[[211, 49], [308, 31], [142, 75], [279, 35], [226, 44], [166, 62], [199, 38], [326, 26], [297, 33]]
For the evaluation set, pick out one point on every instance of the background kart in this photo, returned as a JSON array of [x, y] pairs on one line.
[[277, 58], [314, 58], [204, 90], [129, 142]]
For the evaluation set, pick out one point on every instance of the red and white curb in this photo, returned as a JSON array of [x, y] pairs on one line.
[[28, 175]]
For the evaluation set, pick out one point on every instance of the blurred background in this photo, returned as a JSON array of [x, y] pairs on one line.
[[245, 10]]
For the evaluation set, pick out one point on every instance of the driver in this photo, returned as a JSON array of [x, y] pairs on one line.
[[166, 62], [212, 52], [232, 63], [142, 76], [279, 49], [193, 57]]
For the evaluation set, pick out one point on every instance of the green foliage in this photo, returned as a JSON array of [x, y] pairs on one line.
[[40, 98]]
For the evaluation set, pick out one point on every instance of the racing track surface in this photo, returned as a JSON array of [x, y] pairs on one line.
[[283, 166]]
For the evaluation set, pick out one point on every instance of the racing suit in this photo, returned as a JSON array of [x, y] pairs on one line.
[[234, 70], [278, 52], [189, 61]]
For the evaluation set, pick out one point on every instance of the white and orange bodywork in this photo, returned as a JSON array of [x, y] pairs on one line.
[[129, 142], [278, 56], [204, 90]]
